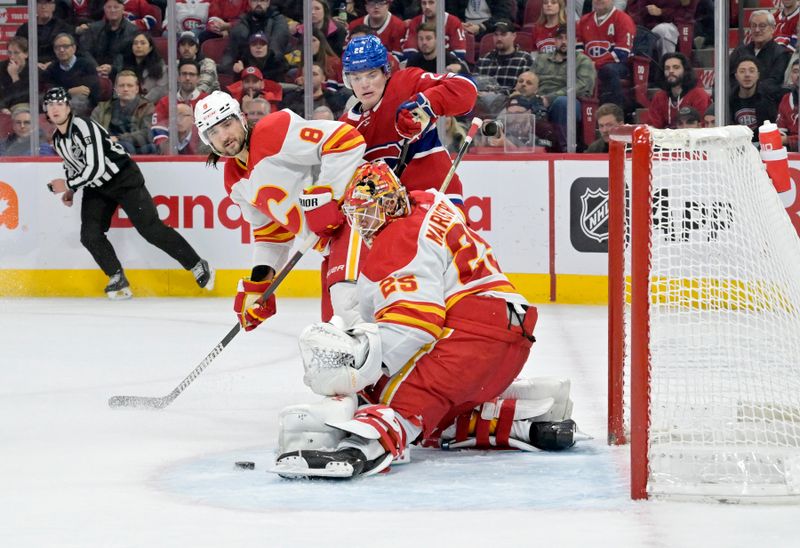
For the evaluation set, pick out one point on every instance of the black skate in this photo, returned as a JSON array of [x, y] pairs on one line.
[[342, 464], [118, 287], [204, 275]]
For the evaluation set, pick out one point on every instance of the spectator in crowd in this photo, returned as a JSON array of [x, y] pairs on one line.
[[47, 28], [771, 58], [260, 17], [189, 143], [688, 117], [323, 113], [390, 29], [517, 127], [709, 118], [551, 71], [102, 41], [658, 16], [259, 55], [480, 16], [295, 100], [14, 74], [424, 53], [606, 36], [680, 89], [787, 111], [324, 55], [79, 12], [335, 31], [454, 37], [19, 142], [787, 17], [189, 48], [253, 84], [143, 58], [454, 134], [748, 104], [222, 14], [507, 61], [188, 76], [255, 108], [609, 117], [551, 18], [129, 116], [75, 73]]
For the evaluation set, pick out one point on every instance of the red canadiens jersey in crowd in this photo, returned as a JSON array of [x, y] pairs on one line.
[[392, 32], [419, 266], [455, 38], [194, 14], [160, 126], [544, 38], [786, 28], [787, 118], [286, 151], [427, 160], [663, 111], [606, 41]]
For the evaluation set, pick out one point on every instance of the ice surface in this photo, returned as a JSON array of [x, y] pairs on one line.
[[75, 473]]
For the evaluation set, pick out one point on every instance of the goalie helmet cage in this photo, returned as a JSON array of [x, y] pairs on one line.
[[707, 299]]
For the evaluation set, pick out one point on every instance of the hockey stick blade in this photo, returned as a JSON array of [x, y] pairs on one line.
[[142, 402]]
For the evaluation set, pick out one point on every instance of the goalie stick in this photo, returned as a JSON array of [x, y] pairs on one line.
[[163, 401]]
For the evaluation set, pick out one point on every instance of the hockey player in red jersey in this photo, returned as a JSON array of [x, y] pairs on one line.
[[269, 174], [447, 335]]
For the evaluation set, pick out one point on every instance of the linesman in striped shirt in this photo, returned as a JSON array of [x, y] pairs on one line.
[[110, 178]]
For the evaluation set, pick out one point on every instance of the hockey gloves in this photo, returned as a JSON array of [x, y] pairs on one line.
[[414, 117], [322, 212], [249, 311]]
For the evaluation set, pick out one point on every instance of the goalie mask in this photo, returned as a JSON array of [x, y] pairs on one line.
[[373, 198]]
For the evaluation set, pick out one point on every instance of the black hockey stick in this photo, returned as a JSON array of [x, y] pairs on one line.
[[402, 160], [163, 401], [474, 127]]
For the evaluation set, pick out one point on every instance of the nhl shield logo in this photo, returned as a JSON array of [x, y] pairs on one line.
[[594, 214]]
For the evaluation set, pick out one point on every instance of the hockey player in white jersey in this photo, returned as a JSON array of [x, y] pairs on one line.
[[287, 175], [448, 334]]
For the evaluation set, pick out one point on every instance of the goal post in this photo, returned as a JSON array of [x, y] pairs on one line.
[[704, 317]]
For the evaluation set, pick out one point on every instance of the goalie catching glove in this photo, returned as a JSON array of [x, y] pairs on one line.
[[339, 362], [323, 214], [249, 311], [414, 117]]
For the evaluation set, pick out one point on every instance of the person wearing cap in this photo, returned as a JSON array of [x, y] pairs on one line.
[[788, 111], [606, 36], [480, 16], [253, 85], [47, 28], [688, 117], [259, 55], [389, 28], [680, 89], [551, 69], [189, 48], [455, 40], [259, 17], [103, 41], [506, 62]]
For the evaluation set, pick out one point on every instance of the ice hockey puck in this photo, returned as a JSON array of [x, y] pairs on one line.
[[245, 465]]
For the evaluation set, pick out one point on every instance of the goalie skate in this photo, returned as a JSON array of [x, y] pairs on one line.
[[342, 464]]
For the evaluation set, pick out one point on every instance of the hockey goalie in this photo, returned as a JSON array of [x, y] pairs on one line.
[[436, 366]]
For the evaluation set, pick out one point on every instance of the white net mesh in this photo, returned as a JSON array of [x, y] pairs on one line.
[[724, 322]]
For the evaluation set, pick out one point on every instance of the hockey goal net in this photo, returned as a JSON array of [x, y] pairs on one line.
[[704, 318]]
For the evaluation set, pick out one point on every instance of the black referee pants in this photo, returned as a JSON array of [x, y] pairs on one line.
[[127, 190]]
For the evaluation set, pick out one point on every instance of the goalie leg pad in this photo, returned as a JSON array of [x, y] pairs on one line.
[[539, 388], [303, 426]]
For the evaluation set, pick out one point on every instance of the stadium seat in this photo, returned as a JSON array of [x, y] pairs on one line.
[[470, 56], [524, 41], [106, 89], [214, 48], [6, 125], [162, 47], [532, 10]]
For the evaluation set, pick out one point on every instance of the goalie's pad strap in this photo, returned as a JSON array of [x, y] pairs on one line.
[[503, 429], [392, 439], [463, 426]]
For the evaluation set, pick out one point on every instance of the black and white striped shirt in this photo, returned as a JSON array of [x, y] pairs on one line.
[[90, 157]]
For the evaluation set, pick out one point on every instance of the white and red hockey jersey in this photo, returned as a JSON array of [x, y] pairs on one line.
[[455, 37], [418, 267], [286, 152], [606, 40]]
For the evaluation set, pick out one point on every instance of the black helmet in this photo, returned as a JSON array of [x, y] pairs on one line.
[[55, 95]]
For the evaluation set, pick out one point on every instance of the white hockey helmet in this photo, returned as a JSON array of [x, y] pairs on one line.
[[212, 110]]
